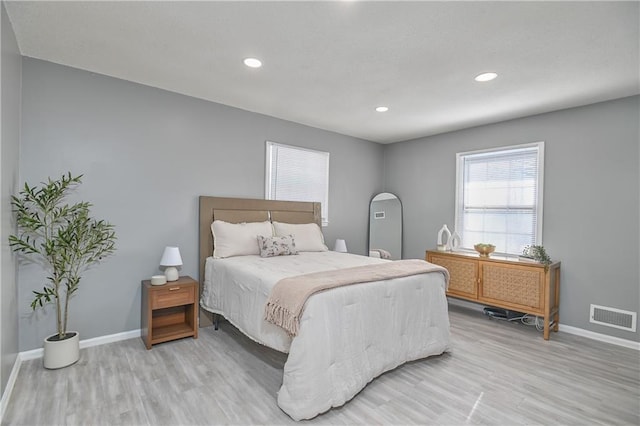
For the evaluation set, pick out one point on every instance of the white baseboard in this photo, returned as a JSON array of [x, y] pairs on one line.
[[103, 340], [6, 395], [600, 337], [561, 327], [96, 341]]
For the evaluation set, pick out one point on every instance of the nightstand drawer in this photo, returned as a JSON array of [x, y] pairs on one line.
[[172, 295]]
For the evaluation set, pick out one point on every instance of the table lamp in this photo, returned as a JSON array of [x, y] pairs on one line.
[[171, 258], [341, 246]]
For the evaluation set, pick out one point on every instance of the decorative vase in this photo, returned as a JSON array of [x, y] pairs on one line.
[[454, 241], [61, 353], [442, 243]]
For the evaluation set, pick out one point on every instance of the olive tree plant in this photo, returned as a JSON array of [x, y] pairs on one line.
[[64, 239]]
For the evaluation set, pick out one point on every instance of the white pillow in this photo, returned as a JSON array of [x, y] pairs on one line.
[[308, 236], [237, 239]]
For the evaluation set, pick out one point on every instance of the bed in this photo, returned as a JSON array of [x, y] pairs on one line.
[[347, 336]]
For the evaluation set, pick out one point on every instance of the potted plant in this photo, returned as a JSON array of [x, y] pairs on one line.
[[65, 240], [537, 253]]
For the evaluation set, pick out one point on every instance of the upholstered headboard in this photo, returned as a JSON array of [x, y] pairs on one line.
[[237, 210]]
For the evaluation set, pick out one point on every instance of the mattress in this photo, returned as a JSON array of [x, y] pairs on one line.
[[238, 288]]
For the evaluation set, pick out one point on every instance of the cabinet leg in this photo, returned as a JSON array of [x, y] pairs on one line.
[[546, 328], [216, 321]]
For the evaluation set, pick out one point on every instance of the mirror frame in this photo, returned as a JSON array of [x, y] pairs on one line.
[[388, 196]]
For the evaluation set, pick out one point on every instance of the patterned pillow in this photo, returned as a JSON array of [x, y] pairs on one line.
[[276, 246]]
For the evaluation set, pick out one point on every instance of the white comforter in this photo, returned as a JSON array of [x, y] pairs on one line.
[[348, 335]]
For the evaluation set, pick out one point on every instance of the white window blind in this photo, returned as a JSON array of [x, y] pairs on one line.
[[297, 174], [499, 197]]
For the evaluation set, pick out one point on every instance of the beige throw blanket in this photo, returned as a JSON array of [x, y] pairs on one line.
[[289, 295]]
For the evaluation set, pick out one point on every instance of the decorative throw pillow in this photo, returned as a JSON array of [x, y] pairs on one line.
[[237, 239], [276, 246], [308, 236]]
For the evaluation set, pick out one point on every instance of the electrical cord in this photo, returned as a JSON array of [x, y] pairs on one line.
[[526, 319]]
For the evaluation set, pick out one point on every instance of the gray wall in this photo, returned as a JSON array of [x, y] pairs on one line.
[[147, 155], [11, 75], [591, 198]]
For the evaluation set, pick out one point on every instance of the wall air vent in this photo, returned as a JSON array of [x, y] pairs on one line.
[[612, 317]]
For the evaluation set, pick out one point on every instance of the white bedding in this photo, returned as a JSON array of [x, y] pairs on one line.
[[348, 335]]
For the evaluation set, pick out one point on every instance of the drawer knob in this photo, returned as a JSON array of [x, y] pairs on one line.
[[174, 288]]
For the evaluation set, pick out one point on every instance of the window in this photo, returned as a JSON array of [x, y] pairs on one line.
[[297, 174], [499, 197]]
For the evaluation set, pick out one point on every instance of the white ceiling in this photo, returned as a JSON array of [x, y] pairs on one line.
[[329, 64]]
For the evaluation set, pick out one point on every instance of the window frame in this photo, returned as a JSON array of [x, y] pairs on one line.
[[269, 175], [459, 194]]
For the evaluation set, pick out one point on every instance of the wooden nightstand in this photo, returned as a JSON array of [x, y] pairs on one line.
[[169, 311]]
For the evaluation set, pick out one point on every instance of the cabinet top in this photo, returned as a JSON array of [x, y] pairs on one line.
[[492, 258], [180, 281]]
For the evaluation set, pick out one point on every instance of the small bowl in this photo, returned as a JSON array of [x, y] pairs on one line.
[[484, 249]]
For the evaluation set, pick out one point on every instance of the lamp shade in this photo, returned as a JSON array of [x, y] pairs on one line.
[[341, 246], [171, 257]]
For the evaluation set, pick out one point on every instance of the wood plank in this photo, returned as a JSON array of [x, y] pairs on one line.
[[496, 372]]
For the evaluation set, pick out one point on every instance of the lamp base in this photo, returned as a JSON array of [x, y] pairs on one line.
[[171, 273]]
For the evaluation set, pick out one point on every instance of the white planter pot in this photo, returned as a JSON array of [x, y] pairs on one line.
[[61, 353]]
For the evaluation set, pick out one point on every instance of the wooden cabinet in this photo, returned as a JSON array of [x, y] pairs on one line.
[[169, 311], [504, 282]]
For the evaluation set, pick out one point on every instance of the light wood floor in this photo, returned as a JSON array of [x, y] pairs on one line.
[[497, 373]]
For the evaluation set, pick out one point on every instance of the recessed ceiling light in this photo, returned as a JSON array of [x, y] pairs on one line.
[[382, 109], [253, 62], [487, 76]]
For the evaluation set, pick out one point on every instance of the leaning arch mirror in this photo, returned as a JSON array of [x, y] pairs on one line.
[[385, 226]]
